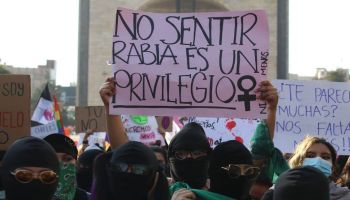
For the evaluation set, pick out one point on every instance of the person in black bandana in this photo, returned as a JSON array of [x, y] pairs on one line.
[[129, 172], [67, 153], [30, 170], [189, 156], [302, 183], [84, 168], [231, 170]]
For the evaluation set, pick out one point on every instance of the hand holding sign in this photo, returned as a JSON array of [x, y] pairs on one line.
[[88, 134], [107, 90], [115, 129], [267, 92]]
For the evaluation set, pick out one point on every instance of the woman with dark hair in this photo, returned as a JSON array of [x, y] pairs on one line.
[[30, 170], [129, 172]]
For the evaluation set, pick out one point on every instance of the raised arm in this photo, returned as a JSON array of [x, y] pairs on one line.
[[88, 133], [115, 129], [267, 92]]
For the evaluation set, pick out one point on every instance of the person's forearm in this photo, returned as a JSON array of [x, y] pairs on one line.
[[115, 129], [271, 121]]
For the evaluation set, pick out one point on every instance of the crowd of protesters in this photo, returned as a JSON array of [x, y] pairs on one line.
[[188, 168]]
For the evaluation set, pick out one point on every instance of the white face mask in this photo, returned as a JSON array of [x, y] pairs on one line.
[[323, 165]]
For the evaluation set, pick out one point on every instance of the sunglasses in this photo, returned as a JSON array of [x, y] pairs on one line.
[[235, 171], [137, 169], [182, 155], [27, 176]]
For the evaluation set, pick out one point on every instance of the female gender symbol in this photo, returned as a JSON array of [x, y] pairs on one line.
[[246, 97]]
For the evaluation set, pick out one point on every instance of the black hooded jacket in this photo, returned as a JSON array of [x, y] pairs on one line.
[[302, 183], [229, 152], [28, 152], [84, 169], [194, 172], [114, 185]]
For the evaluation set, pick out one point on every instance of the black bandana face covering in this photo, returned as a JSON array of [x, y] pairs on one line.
[[85, 166], [132, 170], [130, 186], [29, 152], [236, 188], [230, 152], [193, 171]]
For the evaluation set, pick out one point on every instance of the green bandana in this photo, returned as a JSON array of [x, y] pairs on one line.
[[67, 182], [200, 194]]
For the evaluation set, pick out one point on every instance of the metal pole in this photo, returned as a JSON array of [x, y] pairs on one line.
[[83, 53], [282, 39], [178, 6], [193, 5]]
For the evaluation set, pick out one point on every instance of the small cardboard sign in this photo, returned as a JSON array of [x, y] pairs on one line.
[[14, 108], [90, 117]]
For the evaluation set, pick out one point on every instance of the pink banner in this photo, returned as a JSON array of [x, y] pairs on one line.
[[189, 64]]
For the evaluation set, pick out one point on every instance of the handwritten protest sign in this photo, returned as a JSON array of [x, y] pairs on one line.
[[96, 138], [317, 108], [14, 108], [90, 117], [219, 130], [197, 64], [143, 129]]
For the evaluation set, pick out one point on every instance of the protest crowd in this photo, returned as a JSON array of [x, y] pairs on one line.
[[188, 166]]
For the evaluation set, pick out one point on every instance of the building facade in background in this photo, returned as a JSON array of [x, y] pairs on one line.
[[96, 23], [39, 76]]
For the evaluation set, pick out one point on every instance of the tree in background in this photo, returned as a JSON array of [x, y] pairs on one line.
[[339, 75], [2, 69]]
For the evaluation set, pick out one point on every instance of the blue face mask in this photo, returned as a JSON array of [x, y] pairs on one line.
[[323, 165]]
